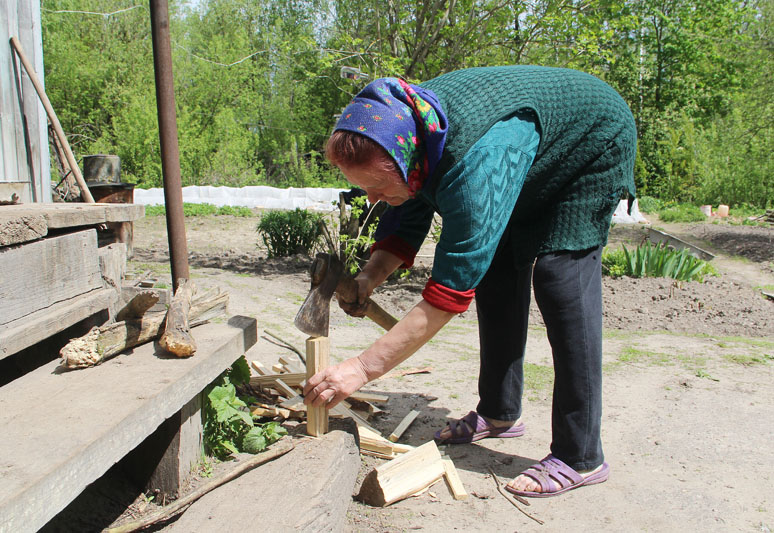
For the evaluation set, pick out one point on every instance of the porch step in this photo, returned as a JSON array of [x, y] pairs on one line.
[[63, 430]]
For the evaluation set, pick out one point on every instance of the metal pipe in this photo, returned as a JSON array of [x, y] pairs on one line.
[[170, 151]]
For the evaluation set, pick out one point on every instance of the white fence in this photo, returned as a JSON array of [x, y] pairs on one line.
[[318, 199]]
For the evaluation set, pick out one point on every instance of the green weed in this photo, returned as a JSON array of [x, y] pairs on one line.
[[228, 425]]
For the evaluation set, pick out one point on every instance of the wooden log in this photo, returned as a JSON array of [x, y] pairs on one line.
[[138, 305], [177, 338], [107, 341], [404, 424], [317, 350], [402, 477], [453, 480]]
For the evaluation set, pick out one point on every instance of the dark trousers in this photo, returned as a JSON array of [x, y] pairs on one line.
[[568, 291]]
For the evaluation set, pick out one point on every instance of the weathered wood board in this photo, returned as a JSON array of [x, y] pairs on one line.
[[46, 272], [62, 216], [26, 331], [93, 417]]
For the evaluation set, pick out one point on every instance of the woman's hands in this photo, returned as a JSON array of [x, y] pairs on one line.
[[331, 385], [365, 286]]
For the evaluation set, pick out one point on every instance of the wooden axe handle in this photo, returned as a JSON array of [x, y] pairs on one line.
[[347, 288]]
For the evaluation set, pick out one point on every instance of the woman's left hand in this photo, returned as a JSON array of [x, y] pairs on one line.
[[335, 383]]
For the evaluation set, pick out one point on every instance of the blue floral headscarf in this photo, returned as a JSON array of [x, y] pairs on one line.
[[406, 120]]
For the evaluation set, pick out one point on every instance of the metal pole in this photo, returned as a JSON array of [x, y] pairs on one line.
[[170, 151]]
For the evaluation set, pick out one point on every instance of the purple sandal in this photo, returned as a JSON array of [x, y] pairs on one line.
[[555, 478], [461, 430]]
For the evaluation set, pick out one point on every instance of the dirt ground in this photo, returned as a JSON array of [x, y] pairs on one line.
[[689, 385]]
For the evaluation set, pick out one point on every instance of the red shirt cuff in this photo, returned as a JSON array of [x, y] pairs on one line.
[[398, 247], [447, 299]]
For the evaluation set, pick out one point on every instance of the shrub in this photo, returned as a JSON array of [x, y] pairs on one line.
[[290, 232], [235, 211]]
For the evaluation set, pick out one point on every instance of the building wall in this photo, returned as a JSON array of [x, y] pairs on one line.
[[24, 151]]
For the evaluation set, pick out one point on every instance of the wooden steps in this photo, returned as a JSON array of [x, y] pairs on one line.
[[62, 431]]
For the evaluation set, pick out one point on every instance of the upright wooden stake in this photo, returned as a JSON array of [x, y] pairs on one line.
[[317, 349]]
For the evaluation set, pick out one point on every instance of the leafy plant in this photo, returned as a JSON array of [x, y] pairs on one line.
[[289, 232], [228, 426], [355, 248], [614, 263], [660, 261]]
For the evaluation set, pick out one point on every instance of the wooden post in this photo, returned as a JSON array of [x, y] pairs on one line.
[[317, 349]]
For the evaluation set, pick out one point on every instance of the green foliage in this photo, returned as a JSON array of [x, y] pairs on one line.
[[355, 249], [290, 232], [660, 261], [681, 213], [228, 426], [196, 210], [614, 263], [649, 204], [257, 83]]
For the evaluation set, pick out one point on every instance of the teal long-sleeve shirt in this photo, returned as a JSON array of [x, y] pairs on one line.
[[475, 199]]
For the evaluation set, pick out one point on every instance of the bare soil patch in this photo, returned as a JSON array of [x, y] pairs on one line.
[[689, 372]]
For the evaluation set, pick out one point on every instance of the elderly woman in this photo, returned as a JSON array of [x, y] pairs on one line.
[[526, 166]]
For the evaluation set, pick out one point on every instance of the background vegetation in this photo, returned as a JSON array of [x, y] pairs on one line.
[[258, 81]]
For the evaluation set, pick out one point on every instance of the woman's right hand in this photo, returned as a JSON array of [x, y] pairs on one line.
[[365, 286]]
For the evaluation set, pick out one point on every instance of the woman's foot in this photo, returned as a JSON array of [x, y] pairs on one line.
[[473, 427], [551, 476]]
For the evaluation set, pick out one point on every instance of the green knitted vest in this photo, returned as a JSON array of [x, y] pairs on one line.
[[584, 164]]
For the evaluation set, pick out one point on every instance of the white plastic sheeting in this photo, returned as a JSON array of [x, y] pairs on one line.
[[318, 199], [261, 196]]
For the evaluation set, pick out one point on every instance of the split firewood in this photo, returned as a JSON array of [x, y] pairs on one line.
[[402, 477], [372, 443], [138, 305], [105, 342], [267, 382], [177, 338], [259, 368], [453, 480], [369, 397]]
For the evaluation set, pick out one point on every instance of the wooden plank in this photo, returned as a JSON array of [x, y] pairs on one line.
[[91, 423], [317, 350], [20, 229], [72, 215], [453, 480], [293, 380], [24, 332], [372, 397], [9, 98], [404, 424], [47, 272], [259, 368], [403, 476]]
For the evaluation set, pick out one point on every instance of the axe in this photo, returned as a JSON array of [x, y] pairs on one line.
[[329, 277]]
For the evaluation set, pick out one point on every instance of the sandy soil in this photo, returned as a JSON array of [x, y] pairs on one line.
[[689, 384]]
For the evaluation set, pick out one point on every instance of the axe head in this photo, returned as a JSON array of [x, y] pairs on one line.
[[314, 315]]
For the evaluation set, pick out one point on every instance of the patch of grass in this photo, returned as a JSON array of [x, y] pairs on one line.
[[701, 373], [537, 379], [745, 360], [681, 213], [631, 354], [200, 210]]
